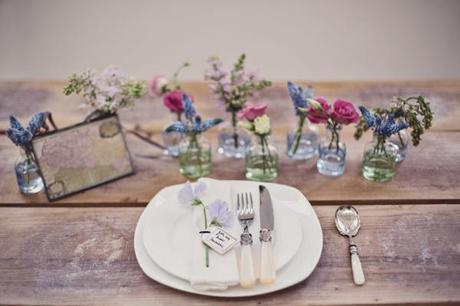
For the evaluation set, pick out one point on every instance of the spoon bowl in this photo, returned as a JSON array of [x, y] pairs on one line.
[[347, 221]]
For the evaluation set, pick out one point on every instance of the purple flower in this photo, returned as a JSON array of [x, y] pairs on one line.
[[220, 213], [190, 195]]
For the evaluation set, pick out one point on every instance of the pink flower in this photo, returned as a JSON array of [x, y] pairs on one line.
[[158, 86], [173, 101], [252, 111], [319, 110], [344, 112]]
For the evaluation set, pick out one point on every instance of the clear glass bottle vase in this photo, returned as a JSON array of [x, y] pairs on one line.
[[379, 160], [262, 160], [172, 140], [194, 157], [27, 174], [332, 153], [302, 143], [234, 141]]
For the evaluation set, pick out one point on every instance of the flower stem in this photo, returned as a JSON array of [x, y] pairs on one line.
[[206, 248], [334, 136], [235, 134], [194, 144], [298, 134]]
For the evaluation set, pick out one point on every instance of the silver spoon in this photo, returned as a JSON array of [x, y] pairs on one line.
[[348, 223]]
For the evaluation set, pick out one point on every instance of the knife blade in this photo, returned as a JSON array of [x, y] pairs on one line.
[[267, 225]]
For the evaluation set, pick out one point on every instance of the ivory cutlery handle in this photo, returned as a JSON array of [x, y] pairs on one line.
[[267, 269], [247, 276], [358, 274]]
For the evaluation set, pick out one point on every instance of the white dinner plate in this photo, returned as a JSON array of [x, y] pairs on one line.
[[297, 269], [169, 229]]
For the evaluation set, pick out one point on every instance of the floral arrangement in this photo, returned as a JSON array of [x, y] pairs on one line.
[[217, 213], [235, 87], [170, 90], [194, 156], [106, 92], [258, 123], [194, 125], [341, 113], [300, 99], [415, 112]]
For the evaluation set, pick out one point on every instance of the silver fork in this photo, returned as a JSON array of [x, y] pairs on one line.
[[246, 214]]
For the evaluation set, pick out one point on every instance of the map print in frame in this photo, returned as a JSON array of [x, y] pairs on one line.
[[82, 156]]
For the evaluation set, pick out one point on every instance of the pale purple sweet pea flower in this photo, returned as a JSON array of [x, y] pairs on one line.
[[190, 195], [220, 214]]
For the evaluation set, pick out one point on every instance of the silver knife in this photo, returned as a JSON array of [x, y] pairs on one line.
[[267, 268]]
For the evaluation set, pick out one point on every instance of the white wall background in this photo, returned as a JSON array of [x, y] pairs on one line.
[[313, 40]]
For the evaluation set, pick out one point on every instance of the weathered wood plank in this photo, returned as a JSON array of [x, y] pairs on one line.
[[410, 254], [23, 98], [431, 174]]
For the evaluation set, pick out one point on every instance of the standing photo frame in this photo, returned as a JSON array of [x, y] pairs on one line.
[[82, 156]]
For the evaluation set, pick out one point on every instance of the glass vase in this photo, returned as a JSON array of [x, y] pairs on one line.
[[379, 160], [171, 141], [233, 140], [302, 143], [400, 141], [332, 153], [194, 157], [27, 174], [262, 161]]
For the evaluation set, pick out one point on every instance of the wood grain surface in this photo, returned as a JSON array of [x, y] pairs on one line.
[[431, 173], [79, 250], [85, 256]]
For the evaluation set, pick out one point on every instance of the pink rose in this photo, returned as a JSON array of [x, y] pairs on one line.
[[319, 110], [173, 101], [344, 112], [158, 86], [252, 111]]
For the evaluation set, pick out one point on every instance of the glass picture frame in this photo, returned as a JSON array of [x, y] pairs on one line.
[[82, 156]]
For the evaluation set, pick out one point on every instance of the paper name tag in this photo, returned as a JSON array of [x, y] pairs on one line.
[[219, 240]]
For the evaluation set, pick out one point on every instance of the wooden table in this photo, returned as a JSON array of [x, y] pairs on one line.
[[79, 250]]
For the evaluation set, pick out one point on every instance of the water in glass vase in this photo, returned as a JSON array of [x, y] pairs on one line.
[[233, 141], [262, 162], [379, 161], [331, 161], [194, 158], [27, 175]]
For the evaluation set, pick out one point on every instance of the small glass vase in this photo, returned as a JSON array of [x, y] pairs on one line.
[[233, 140], [27, 174], [332, 153], [379, 160], [400, 141], [194, 157], [262, 161], [171, 141], [302, 143]]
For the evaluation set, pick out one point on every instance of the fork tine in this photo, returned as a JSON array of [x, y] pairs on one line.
[[252, 203], [238, 202], [247, 201]]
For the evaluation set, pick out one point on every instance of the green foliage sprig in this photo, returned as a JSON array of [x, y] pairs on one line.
[[415, 111]]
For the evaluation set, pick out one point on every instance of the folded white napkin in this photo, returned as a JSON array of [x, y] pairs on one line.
[[223, 269]]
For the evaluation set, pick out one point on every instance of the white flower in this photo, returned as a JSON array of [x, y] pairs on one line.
[[262, 125]]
